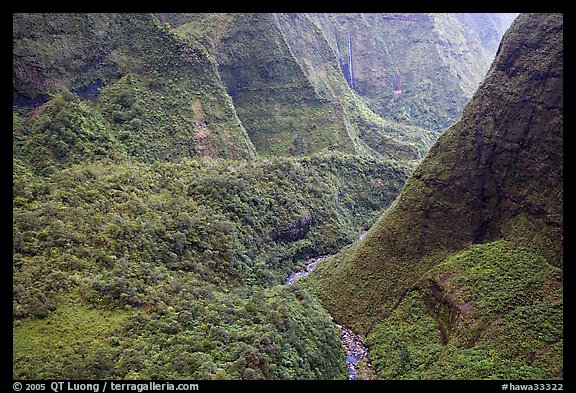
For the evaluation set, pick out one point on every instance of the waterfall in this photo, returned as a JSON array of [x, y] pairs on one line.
[[350, 69]]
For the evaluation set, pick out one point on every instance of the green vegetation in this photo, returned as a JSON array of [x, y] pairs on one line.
[[167, 179], [273, 98], [193, 252], [407, 87], [161, 97], [493, 311], [289, 91], [225, 85], [127, 220], [311, 49], [73, 342], [63, 131], [496, 175], [194, 331]]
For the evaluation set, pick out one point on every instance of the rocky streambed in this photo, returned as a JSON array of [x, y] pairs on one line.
[[353, 344], [310, 265], [355, 353]]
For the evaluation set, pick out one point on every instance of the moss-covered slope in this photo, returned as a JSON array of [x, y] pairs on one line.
[[275, 101], [161, 97], [496, 174], [428, 65]]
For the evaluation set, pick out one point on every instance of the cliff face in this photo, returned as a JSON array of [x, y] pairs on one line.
[[156, 96], [274, 99], [428, 65], [489, 28], [172, 86], [494, 176], [377, 83], [309, 37], [288, 89]]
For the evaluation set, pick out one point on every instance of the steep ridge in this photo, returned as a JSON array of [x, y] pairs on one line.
[[494, 179], [134, 257], [148, 241], [153, 95], [275, 101]]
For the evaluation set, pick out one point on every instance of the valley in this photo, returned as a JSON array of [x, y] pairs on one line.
[[442, 277], [287, 196], [353, 344]]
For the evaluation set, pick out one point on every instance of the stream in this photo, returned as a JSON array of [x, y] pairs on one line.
[[352, 342]]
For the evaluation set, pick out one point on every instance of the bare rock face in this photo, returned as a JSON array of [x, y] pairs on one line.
[[294, 231]]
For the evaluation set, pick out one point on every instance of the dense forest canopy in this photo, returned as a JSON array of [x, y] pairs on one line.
[[170, 171]]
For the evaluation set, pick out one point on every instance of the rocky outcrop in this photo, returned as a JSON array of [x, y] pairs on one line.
[[295, 231]]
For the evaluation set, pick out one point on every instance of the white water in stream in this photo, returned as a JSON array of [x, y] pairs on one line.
[[352, 343]]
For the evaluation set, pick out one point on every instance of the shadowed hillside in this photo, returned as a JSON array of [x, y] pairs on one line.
[[493, 179], [144, 90]]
